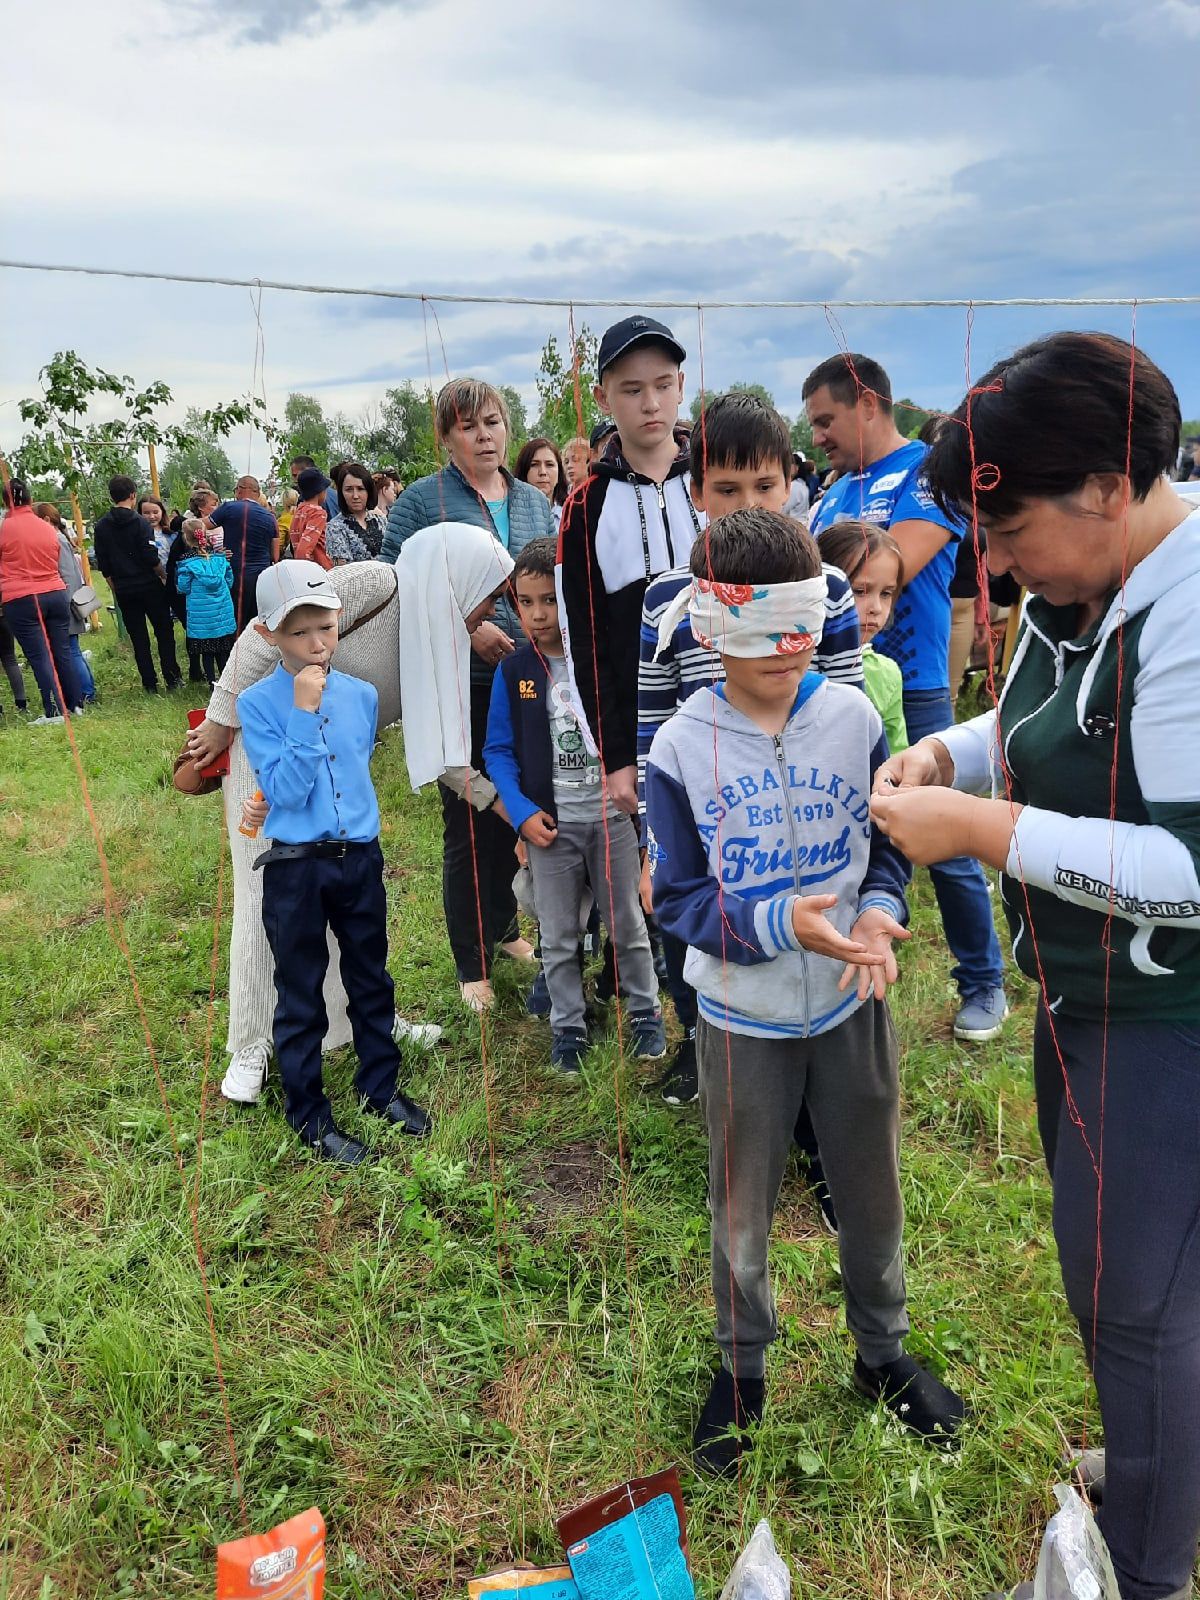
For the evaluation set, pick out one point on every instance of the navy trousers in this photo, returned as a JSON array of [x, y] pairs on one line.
[[301, 899], [1145, 1355]]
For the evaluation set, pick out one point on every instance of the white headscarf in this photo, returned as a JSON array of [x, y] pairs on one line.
[[442, 574]]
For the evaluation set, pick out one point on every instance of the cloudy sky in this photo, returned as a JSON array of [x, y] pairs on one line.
[[665, 149]]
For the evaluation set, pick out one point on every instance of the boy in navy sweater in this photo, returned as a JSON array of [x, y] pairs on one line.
[[765, 864], [549, 781], [309, 735]]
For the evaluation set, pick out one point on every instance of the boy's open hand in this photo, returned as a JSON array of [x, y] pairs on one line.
[[875, 929], [540, 829], [309, 686], [816, 933]]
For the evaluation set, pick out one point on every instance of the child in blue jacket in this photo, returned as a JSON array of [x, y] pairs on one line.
[[764, 863], [573, 834], [205, 579]]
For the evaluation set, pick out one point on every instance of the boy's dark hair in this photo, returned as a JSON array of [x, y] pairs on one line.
[[847, 376], [536, 560], [302, 461], [755, 546], [1050, 415], [121, 488], [355, 469], [737, 431]]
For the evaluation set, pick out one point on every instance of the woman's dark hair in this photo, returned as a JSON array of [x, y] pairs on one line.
[[535, 560], [354, 469], [153, 500], [1046, 418], [17, 494], [755, 546], [525, 460], [739, 431]]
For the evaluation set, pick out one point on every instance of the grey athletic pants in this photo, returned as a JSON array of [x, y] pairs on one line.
[[750, 1093]]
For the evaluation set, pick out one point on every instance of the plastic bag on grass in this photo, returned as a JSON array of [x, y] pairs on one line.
[[286, 1564], [759, 1572], [1074, 1563]]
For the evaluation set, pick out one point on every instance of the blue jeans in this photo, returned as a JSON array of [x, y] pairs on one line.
[[38, 620], [86, 681], [959, 884], [1145, 1357]]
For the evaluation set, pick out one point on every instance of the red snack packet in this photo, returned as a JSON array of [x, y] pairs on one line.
[[286, 1564], [220, 767]]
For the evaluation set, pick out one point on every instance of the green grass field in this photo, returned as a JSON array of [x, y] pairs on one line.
[[449, 1348]]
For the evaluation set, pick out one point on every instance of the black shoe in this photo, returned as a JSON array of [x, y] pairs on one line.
[[173, 684], [915, 1397], [334, 1145], [567, 1050], [719, 1438], [404, 1113], [150, 688], [196, 675], [680, 1084]]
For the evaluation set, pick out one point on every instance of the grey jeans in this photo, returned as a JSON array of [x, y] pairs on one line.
[[750, 1093], [561, 874]]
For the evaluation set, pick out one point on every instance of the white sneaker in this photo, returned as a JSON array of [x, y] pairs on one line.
[[247, 1071], [86, 654], [44, 722], [423, 1034]]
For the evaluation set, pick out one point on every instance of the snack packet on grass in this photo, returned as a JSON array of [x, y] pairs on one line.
[[529, 1583], [759, 1572], [286, 1564], [630, 1543], [1074, 1563]]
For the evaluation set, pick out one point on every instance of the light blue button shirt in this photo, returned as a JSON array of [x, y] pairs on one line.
[[313, 767]]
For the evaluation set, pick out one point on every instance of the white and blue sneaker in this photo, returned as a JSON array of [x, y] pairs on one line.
[[981, 1016]]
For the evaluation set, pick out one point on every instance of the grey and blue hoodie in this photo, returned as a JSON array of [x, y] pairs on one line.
[[740, 824]]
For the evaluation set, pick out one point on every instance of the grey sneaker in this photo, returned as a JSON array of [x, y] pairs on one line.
[[981, 1016]]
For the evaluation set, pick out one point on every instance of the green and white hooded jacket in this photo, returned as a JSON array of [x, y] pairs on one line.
[[1076, 854]]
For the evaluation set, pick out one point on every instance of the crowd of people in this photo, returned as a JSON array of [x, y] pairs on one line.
[[667, 678]]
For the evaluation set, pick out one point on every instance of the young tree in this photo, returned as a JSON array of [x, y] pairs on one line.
[[518, 422], [564, 386], [399, 432], [203, 457], [304, 432]]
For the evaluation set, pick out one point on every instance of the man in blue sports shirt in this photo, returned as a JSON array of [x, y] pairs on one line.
[[848, 400]]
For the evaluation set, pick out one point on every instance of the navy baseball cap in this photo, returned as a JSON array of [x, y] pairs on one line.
[[625, 335], [601, 432]]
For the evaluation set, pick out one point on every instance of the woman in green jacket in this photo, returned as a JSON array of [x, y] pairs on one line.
[[1092, 762]]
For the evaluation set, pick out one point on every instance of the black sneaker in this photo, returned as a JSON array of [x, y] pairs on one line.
[[567, 1050], [679, 1084], [720, 1438], [913, 1396], [647, 1035]]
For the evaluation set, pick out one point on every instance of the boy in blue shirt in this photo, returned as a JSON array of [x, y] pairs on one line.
[[765, 864], [549, 781], [309, 735]]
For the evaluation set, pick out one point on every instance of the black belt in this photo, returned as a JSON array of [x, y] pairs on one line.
[[321, 849]]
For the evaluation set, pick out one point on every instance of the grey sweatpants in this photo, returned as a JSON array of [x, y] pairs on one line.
[[750, 1093], [561, 874]]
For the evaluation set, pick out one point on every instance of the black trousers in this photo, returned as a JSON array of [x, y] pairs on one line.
[[150, 605], [1145, 1353], [301, 900], [245, 598], [12, 667], [478, 866]]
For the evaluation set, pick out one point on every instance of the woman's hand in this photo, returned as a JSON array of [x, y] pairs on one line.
[[816, 933], [924, 763], [205, 743], [254, 813], [875, 928], [932, 824], [490, 643]]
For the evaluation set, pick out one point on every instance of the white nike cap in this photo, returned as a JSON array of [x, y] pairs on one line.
[[289, 584]]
